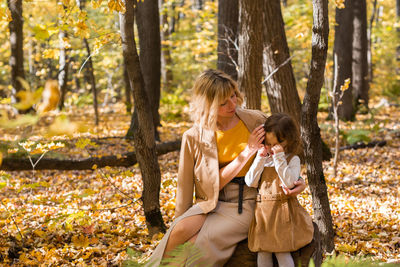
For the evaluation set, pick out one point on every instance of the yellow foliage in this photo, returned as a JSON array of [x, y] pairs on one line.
[[81, 29], [27, 98], [340, 4], [116, 5], [80, 241], [50, 96], [63, 126], [345, 86], [96, 3]]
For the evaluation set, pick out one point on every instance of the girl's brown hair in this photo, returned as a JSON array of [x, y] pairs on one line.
[[210, 89], [285, 129]]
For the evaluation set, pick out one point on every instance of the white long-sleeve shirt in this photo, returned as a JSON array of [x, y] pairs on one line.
[[288, 173]]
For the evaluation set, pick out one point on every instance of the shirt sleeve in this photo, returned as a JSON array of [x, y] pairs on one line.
[[288, 173], [253, 175]]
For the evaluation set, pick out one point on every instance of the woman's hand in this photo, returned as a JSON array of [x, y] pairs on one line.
[[300, 185], [255, 139]]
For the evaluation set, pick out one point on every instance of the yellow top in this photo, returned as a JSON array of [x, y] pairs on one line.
[[230, 143]]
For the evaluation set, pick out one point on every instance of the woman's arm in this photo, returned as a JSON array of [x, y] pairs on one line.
[[228, 172], [300, 185], [184, 192]]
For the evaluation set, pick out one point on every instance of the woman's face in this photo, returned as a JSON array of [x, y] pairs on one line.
[[228, 107]]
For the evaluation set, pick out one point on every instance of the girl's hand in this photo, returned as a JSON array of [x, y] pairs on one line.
[[256, 138], [300, 185], [263, 152], [277, 148]]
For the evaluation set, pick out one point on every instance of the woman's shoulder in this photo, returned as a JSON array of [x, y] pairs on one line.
[[251, 112]]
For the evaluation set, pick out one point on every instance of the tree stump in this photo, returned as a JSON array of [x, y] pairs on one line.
[[243, 257]]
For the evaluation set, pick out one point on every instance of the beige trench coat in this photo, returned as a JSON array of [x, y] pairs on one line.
[[199, 174], [198, 164]]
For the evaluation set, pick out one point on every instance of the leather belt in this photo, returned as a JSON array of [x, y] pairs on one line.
[[240, 181]]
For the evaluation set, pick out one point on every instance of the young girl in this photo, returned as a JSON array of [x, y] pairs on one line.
[[280, 223]]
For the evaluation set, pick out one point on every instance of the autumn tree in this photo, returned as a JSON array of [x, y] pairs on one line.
[[63, 65], [228, 21], [143, 130], [280, 84], [166, 59], [250, 52], [310, 131], [16, 41], [90, 69], [150, 57], [342, 58], [360, 54]]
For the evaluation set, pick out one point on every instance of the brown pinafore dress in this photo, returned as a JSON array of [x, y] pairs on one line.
[[280, 223]]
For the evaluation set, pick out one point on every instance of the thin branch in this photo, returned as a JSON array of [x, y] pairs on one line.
[[275, 70]]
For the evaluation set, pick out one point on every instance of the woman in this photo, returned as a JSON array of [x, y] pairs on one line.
[[215, 155]]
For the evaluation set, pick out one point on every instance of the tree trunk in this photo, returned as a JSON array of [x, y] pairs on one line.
[[250, 52], [228, 21], [369, 34], [150, 55], [63, 72], [342, 59], [128, 91], [398, 35], [145, 146], [281, 86], [92, 81], [16, 43], [360, 54], [166, 59], [125, 160], [90, 70], [310, 131]]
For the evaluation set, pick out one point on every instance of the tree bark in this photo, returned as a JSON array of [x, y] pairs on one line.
[[125, 160], [369, 37], [128, 91], [144, 128], [166, 59], [228, 21], [150, 55], [281, 86], [360, 54], [398, 35], [342, 58], [250, 52], [310, 131], [64, 66], [92, 82], [16, 44]]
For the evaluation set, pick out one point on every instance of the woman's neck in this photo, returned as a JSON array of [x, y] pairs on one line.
[[226, 123]]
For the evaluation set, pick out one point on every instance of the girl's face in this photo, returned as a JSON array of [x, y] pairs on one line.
[[228, 107], [271, 140]]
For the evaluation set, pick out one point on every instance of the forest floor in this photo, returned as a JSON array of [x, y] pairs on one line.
[[64, 218]]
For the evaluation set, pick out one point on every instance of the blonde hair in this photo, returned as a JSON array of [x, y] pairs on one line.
[[210, 89]]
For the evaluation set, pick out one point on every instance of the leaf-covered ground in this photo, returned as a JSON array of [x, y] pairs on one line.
[[90, 218]]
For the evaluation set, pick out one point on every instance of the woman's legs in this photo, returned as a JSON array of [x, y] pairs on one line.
[[284, 259], [264, 259], [185, 230]]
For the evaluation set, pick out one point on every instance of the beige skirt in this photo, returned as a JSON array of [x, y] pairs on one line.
[[223, 228]]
